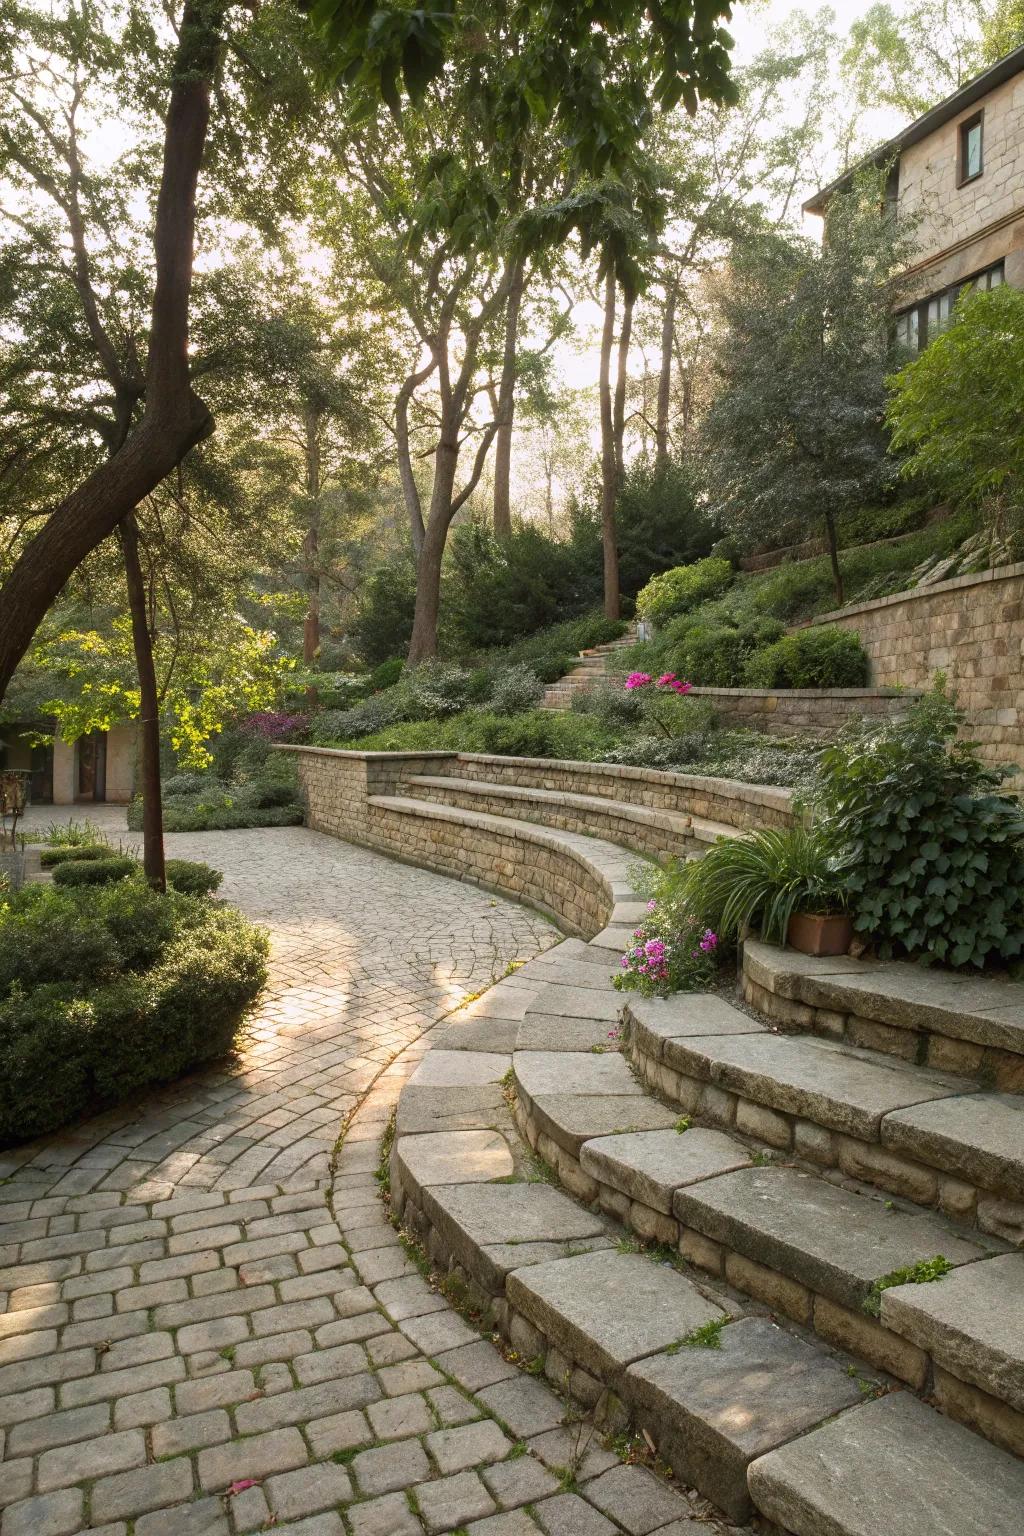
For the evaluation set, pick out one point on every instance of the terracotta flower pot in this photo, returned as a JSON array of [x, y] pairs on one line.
[[812, 933]]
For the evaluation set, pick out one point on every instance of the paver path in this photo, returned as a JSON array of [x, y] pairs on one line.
[[207, 1326]]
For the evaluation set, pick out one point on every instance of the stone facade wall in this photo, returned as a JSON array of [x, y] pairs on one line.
[[983, 219], [971, 628], [818, 711]]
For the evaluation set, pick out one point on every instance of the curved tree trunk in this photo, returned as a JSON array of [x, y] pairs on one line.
[[506, 408], [609, 477], [175, 419], [149, 710]]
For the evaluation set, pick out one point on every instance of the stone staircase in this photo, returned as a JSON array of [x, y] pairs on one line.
[[684, 1210], [593, 665]]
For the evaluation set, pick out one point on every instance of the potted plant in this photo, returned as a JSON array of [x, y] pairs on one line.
[[788, 882]]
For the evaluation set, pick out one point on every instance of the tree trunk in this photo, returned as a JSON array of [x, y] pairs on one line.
[[609, 476], [833, 554], [506, 408], [311, 548], [621, 380], [423, 645], [668, 331], [149, 708], [175, 419]]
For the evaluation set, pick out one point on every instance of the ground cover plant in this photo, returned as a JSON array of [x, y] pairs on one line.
[[108, 989]]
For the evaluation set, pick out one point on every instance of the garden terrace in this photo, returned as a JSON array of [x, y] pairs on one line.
[[829, 1220]]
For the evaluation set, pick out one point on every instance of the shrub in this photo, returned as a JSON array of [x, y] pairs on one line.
[[212, 818], [188, 784], [617, 707], [714, 655], [71, 853], [821, 657], [192, 878], [382, 628], [386, 673], [526, 735], [433, 691], [936, 855], [515, 689], [671, 950], [683, 588], [149, 986], [95, 871], [497, 590]]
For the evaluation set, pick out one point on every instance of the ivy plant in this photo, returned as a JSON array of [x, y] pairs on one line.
[[935, 853]]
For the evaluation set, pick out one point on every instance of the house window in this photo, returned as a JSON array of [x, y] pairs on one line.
[[970, 149], [914, 328]]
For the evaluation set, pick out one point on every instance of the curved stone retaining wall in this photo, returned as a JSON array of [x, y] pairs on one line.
[[725, 800]]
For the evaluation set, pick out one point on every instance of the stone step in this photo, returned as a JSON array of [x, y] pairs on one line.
[[969, 1323], [830, 1241], [972, 1025], [713, 1411], [893, 1467], [912, 1130], [634, 826], [650, 1166]]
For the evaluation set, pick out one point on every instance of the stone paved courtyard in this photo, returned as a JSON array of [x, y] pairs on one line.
[[208, 1327]]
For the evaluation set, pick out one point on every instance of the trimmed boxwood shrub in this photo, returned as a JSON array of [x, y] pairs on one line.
[[103, 992], [683, 588], [820, 657], [95, 871], [184, 815], [72, 852], [191, 877]]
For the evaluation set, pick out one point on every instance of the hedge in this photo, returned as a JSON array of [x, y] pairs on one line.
[[95, 871], [106, 991]]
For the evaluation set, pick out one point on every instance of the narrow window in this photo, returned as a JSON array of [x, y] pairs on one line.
[[970, 149]]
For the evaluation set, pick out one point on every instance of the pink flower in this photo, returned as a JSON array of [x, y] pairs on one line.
[[654, 949], [637, 680], [709, 941], [651, 906]]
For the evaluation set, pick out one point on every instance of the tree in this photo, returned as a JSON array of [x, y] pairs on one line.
[[907, 60], [796, 431], [958, 410]]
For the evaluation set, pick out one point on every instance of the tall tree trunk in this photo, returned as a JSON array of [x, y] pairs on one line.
[[423, 645], [174, 419], [311, 547], [833, 555], [621, 380], [668, 331], [506, 407], [149, 708], [609, 477]]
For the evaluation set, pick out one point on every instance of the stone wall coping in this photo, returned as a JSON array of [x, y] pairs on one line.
[[971, 579], [807, 693], [372, 757], [757, 794]]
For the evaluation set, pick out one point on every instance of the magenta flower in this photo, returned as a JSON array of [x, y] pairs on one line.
[[651, 906], [637, 680], [654, 949], [709, 941]]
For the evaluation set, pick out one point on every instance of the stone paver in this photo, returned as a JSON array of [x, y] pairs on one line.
[[207, 1327]]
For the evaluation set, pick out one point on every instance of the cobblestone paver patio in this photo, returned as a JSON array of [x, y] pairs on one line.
[[207, 1326]]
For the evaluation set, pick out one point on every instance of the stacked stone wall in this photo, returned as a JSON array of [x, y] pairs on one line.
[[972, 629]]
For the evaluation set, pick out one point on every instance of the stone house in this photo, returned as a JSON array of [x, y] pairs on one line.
[[96, 768], [958, 171]]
